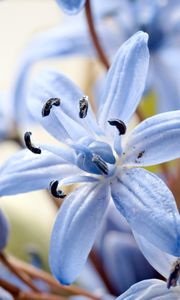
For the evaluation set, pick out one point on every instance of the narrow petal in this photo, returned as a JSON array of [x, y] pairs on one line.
[[150, 289], [149, 207], [72, 6], [4, 230], [63, 121], [26, 172], [75, 228], [125, 80], [160, 260], [154, 140]]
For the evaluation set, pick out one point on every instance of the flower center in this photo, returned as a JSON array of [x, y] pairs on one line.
[[95, 157]]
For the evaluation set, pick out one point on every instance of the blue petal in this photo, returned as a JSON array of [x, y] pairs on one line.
[[160, 260], [75, 229], [149, 207], [125, 80], [63, 122], [71, 6], [123, 262], [154, 141], [4, 230], [150, 289], [26, 172]]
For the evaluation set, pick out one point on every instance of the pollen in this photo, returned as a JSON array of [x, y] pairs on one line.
[[48, 105]]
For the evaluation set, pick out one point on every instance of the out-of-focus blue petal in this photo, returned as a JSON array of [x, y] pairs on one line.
[[155, 140], [75, 230], [63, 122], [123, 262], [4, 230], [26, 171], [160, 260], [125, 80], [149, 207], [71, 6], [166, 73], [151, 289], [4, 295]]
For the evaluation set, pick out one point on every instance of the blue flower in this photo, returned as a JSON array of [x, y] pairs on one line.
[[4, 230], [92, 154]]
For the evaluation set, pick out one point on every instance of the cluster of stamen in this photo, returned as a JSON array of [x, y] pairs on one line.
[[54, 191], [174, 275], [83, 109]]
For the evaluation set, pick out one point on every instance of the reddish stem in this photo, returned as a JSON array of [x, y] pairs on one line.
[[99, 49]]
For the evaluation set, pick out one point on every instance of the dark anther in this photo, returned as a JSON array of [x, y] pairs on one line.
[[83, 107], [174, 275], [56, 193], [48, 105], [119, 125], [29, 145], [100, 163]]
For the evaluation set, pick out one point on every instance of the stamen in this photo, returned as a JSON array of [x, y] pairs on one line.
[[174, 275], [48, 105], [100, 163], [83, 107], [56, 193], [29, 145], [119, 125]]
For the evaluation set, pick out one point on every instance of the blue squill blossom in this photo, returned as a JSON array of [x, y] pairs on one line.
[[92, 153], [4, 230]]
